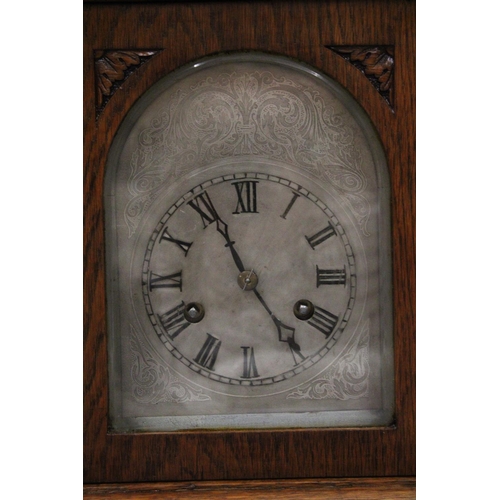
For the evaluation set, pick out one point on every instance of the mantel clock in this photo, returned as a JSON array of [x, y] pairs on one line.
[[248, 230]]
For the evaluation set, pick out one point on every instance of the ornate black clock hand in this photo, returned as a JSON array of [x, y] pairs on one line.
[[222, 229], [285, 333]]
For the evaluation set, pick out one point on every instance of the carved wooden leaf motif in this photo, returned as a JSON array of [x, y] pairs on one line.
[[113, 67], [375, 62]]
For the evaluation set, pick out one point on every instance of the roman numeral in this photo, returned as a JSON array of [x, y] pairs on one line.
[[322, 235], [249, 365], [183, 245], [323, 320], [170, 281], [173, 321], [330, 277], [290, 205], [208, 353], [203, 205], [247, 197]]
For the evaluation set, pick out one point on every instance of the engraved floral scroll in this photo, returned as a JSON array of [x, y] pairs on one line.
[[346, 379], [154, 382], [246, 114]]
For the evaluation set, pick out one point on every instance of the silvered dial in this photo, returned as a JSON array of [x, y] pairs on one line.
[[248, 279]]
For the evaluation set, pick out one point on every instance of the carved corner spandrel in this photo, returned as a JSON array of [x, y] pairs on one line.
[[112, 68], [376, 62]]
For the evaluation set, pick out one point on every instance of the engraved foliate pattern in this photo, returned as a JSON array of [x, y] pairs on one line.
[[246, 114], [346, 379], [154, 382]]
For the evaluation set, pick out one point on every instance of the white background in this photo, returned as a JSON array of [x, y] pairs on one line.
[[458, 303]]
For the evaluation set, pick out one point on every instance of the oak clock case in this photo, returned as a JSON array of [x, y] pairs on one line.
[[248, 253]]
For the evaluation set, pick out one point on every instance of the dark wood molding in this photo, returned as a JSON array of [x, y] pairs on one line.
[[376, 62], [113, 67], [403, 488]]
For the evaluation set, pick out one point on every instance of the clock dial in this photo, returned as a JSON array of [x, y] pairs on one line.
[[221, 246]]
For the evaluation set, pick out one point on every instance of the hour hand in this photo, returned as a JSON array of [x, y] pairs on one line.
[[222, 229]]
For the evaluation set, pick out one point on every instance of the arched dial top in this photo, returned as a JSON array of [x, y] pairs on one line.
[[249, 279]]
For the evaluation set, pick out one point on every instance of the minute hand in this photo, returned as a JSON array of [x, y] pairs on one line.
[[285, 333]]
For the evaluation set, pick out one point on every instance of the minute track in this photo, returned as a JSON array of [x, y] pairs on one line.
[[295, 347]]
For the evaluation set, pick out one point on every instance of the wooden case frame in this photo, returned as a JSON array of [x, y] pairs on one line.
[[131, 45]]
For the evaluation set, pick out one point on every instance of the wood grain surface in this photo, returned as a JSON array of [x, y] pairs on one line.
[[183, 32], [339, 489]]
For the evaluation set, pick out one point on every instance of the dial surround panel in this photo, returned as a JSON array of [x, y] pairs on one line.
[[225, 117]]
